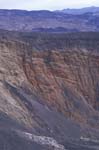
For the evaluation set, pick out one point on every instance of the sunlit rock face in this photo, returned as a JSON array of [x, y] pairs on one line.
[[49, 87]]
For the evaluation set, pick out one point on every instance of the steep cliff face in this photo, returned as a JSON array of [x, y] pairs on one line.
[[49, 85], [67, 81], [65, 74]]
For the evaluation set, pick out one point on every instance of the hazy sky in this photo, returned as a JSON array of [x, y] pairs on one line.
[[46, 4]]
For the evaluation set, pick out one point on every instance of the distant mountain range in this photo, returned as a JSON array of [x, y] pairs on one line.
[[92, 9], [68, 20]]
